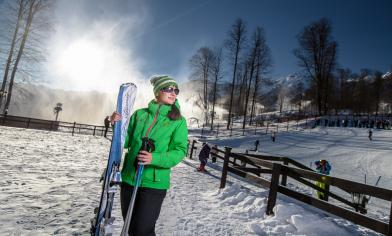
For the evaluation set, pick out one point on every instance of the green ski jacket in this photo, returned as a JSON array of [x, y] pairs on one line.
[[170, 139]]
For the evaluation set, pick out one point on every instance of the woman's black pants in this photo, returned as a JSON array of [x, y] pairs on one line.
[[146, 210]]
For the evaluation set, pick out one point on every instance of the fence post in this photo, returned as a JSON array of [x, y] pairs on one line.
[[28, 123], [192, 147], [266, 131], [390, 222], [225, 167], [94, 130], [4, 118], [306, 122], [73, 128], [255, 127], [217, 131], [284, 175], [273, 191], [327, 190]]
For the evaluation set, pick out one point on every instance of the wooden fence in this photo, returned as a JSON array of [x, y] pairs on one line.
[[51, 125], [251, 166]]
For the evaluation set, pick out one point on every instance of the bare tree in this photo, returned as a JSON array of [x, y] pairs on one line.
[[297, 93], [263, 64], [57, 109], [281, 97], [317, 55], [378, 85], [20, 10], [387, 88], [361, 92], [252, 62], [32, 24], [201, 64], [343, 76], [240, 87], [235, 43], [216, 70]]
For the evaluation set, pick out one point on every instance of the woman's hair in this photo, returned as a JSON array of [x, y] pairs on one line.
[[174, 113]]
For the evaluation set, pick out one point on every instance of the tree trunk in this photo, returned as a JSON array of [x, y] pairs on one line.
[[213, 102], [205, 90], [232, 85], [255, 90], [22, 44], [248, 92], [242, 87], [9, 59]]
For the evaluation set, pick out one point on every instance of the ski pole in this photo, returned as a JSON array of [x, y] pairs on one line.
[[378, 180], [375, 185], [147, 145], [127, 221]]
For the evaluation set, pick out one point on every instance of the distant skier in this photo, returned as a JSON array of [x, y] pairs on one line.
[[107, 123], [322, 167], [273, 136], [257, 142], [203, 157], [370, 134]]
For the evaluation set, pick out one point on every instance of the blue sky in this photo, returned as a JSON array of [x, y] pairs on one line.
[[159, 37], [362, 29]]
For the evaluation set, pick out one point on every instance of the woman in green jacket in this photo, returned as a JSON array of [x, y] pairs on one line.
[[161, 122]]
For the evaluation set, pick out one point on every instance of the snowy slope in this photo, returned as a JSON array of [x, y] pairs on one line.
[[49, 185]]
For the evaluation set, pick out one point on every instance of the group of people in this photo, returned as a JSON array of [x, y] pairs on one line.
[[355, 123]]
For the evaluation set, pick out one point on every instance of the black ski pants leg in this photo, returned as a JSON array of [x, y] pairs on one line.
[[146, 211]]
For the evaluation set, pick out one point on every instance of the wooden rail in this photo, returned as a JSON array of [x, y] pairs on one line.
[[252, 166], [51, 125]]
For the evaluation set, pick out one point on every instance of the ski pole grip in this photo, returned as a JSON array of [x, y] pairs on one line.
[[147, 145]]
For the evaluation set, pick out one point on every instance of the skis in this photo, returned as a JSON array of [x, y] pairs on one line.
[[102, 223]]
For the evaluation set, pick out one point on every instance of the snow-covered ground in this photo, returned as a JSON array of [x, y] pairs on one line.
[[49, 184]]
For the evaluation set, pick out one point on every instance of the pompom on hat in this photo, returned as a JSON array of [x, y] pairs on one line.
[[162, 81]]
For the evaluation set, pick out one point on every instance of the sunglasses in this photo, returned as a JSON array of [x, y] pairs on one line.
[[171, 90]]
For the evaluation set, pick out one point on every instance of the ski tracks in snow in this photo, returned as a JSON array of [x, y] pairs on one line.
[[196, 206]]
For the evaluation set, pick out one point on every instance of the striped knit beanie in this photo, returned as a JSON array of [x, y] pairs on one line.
[[162, 81]]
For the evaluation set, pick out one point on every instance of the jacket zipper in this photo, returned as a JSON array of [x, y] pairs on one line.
[[153, 122], [149, 129]]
